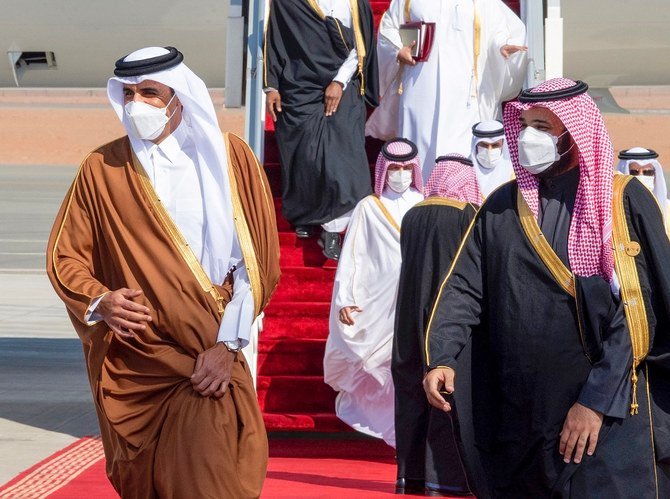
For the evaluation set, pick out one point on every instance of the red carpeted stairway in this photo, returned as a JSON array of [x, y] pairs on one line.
[[291, 391]]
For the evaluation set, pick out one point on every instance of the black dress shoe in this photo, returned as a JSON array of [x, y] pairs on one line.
[[408, 486], [330, 243], [303, 231]]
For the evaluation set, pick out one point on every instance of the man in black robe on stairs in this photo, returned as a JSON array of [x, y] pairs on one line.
[[320, 70], [555, 318]]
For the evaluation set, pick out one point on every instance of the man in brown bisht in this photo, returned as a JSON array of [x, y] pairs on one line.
[[164, 251]]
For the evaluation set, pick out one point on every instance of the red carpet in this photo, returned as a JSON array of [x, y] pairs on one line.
[[55, 476], [299, 468]]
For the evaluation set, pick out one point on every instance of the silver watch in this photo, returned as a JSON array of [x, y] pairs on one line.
[[233, 346]]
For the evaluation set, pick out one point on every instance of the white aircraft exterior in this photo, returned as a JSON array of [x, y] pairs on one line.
[[617, 42], [74, 43]]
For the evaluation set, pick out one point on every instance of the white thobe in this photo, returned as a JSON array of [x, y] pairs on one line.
[[357, 362], [176, 178], [444, 97]]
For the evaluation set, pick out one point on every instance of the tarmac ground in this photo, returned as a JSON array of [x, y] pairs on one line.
[[45, 402]]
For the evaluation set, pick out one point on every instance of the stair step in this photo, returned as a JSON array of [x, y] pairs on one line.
[[294, 357], [291, 320], [296, 252], [325, 422], [278, 309], [302, 284], [301, 327], [294, 394]]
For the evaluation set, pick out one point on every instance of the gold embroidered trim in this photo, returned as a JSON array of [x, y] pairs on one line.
[[259, 170], [339, 28], [315, 5], [651, 430], [625, 251], [408, 18], [360, 41], [244, 234], [408, 6], [175, 234], [386, 213], [561, 273], [60, 231], [444, 282], [436, 200]]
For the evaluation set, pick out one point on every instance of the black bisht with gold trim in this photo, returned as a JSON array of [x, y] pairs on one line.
[[426, 438], [523, 350], [325, 170]]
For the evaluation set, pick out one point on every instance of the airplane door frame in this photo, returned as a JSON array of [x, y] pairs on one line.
[[254, 116], [544, 32]]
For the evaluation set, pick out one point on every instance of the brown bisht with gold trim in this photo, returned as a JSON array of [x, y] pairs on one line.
[[161, 438]]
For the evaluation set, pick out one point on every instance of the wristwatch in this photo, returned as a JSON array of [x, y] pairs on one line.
[[233, 346]]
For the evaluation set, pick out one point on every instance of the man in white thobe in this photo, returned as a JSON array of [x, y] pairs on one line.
[[490, 156], [357, 361], [477, 61], [644, 165]]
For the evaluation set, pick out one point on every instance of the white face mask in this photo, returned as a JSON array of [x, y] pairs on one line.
[[147, 121], [399, 180], [489, 158], [647, 181], [538, 150]]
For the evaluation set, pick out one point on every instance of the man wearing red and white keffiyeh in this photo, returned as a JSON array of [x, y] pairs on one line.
[[357, 360], [454, 177], [590, 239], [565, 378]]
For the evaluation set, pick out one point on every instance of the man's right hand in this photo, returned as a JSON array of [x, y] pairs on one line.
[[405, 55], [273, 104], [122, 315], [434, 381], [345, 314]]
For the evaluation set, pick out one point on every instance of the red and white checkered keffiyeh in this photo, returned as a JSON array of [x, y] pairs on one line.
[[590, 239], [399, 148], [455, 180]]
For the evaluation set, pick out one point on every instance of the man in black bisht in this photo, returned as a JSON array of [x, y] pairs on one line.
[[320, 70], [555, 318], [426, 438]]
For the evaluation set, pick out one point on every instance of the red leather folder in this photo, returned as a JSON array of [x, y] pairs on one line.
[[422, 33]]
